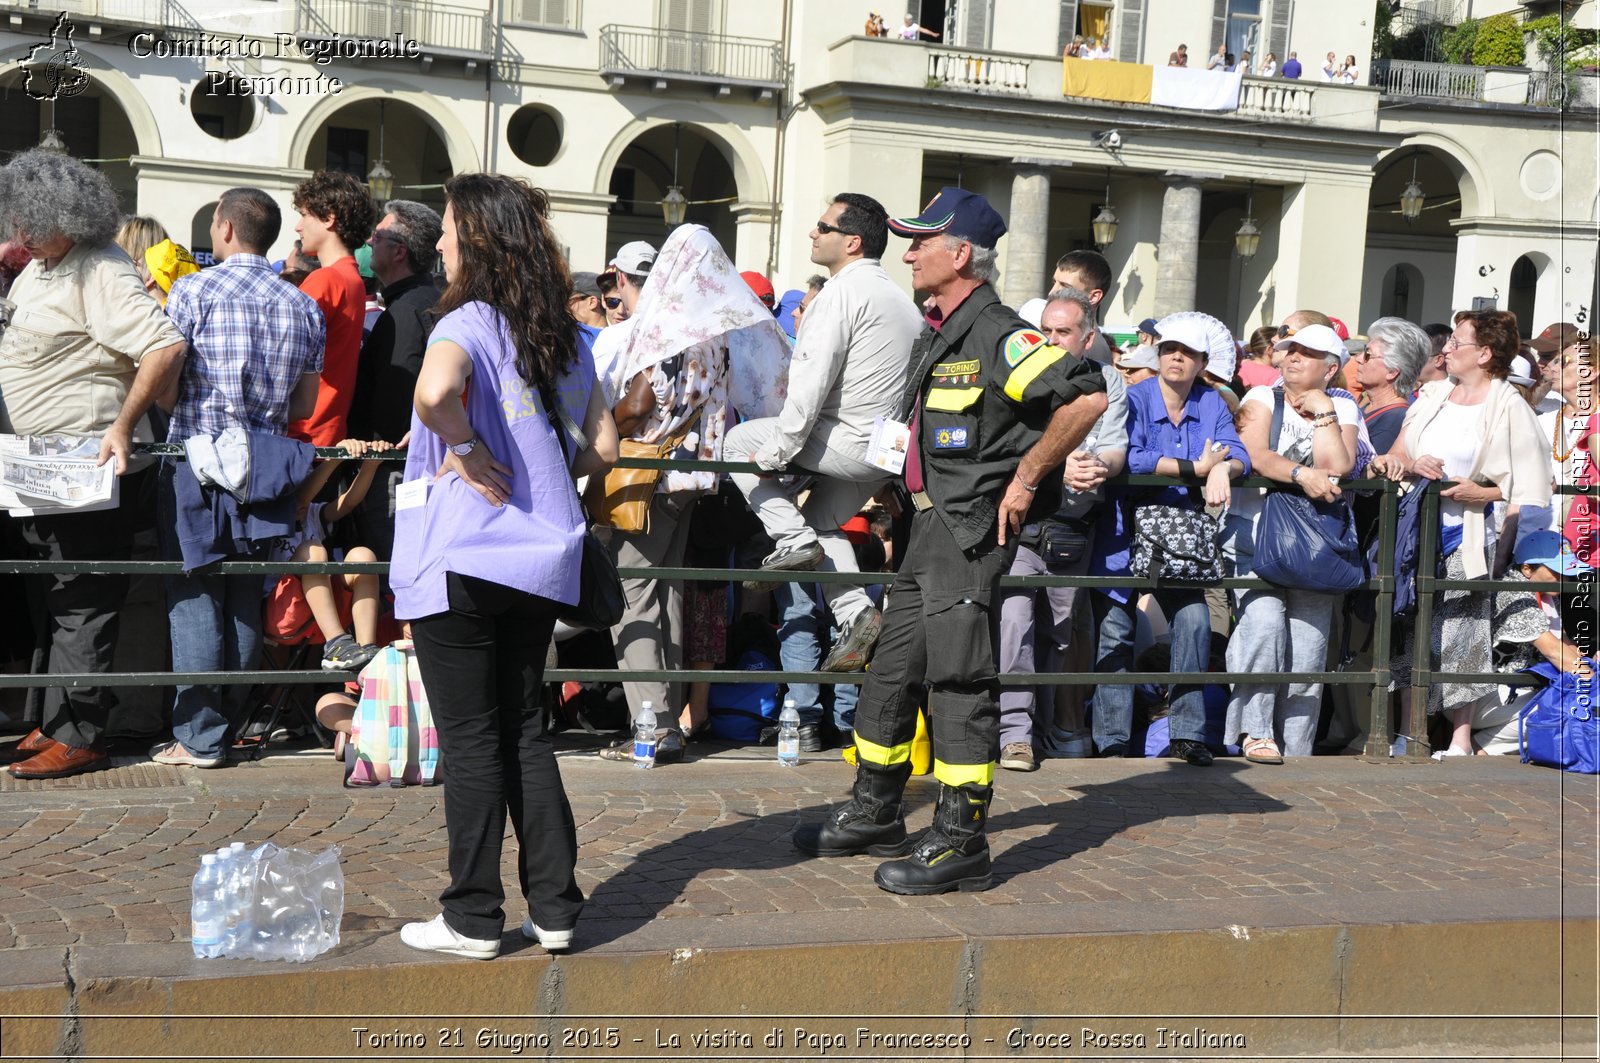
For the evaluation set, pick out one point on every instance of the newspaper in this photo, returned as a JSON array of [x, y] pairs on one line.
[[54, 474]]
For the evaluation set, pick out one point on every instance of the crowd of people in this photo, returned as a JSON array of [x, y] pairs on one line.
[[945, 443], [1347, 72]]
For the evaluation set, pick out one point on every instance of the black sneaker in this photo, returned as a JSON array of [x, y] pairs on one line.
[[1194, 752], [345, 654], [854, 648], [810, 738], [786, 559]]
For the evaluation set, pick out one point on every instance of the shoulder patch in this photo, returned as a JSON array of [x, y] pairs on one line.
[[1020, 344]]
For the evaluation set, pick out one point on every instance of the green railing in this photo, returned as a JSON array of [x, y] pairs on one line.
[[1376, 679]]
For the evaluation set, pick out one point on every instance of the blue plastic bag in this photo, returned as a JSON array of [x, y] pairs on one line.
[[1559, 728]]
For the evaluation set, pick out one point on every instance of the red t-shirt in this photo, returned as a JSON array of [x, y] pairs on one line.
[[338, 290], [1258, 374]]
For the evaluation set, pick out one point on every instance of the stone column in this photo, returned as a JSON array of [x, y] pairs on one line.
[[753, 235], [1179, 249], [1027, 274]]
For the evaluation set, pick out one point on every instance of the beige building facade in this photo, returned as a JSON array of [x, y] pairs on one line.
[[758, 112]]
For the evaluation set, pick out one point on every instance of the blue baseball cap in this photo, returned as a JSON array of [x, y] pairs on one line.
[[1148, 326], [957, 212], [1550, 549]]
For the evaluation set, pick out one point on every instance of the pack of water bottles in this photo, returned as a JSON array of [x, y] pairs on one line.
[[266, 903]]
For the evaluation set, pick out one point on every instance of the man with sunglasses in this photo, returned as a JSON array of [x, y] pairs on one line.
[[848, 369], [631, 268]]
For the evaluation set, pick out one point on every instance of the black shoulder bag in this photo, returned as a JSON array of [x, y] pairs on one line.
[[600, 598]]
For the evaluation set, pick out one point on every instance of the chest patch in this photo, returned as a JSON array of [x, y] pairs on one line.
[[955, 373], [1020, 344], [950, 439]]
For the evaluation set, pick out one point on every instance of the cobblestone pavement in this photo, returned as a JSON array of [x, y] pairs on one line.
[[106, 859]]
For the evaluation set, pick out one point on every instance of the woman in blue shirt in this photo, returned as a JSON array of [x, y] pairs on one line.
[[1177, 426]]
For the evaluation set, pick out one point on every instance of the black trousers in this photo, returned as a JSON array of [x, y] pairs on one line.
[[76, 616], [941, 629], [482, 663]]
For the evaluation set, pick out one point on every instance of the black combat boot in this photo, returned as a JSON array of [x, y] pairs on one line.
[[873, 821], [953, 854]]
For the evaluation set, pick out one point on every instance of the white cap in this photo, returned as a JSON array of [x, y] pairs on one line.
[[634, 258], [1202, 334], [1521, 372], [1143, 356], [1319, 338], [1032, 311]]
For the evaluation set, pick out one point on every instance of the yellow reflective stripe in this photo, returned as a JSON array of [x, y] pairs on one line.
[[963, 774], [887, 756], [952, 400], [1029, 370]]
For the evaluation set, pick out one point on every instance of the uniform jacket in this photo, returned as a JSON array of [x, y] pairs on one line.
[[988, 383]]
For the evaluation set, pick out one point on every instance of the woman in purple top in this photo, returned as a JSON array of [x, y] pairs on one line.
[[488, 541]]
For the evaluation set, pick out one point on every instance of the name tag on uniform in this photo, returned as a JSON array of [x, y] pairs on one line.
[[887, 447], [412, 494]]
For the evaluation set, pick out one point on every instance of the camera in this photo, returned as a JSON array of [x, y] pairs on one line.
[[1109, 139]]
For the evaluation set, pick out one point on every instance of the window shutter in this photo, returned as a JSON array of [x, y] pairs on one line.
[[1069, 25], [975, 30], [675, 15], [1130, 34], [1219, 27], [1278, 29]]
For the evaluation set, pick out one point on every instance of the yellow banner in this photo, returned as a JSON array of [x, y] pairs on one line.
[[1098, 79]]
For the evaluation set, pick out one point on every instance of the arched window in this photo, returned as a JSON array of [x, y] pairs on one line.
[[1402, 293], [1524, 286]]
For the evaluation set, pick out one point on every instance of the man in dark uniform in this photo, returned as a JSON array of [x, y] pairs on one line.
[[994, 410]]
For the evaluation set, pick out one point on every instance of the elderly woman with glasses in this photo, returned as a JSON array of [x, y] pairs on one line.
[[1282, 628], [1387, 372], [1475, 430]]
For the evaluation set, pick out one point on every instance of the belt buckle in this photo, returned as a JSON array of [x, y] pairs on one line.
[[921, 501]]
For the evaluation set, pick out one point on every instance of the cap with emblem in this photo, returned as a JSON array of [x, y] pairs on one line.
[[957, 212], [1557, 337], [634, 258]]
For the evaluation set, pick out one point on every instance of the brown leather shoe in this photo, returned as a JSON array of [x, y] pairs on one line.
[[36, 742], [58, 762]]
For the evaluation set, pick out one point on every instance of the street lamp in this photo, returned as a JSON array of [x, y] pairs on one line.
[[1247, 241], [1412, 199], [51, 139], [674, 205], [380, 182], [1105, 223]]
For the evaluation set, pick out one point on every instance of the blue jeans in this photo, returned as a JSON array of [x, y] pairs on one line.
[[216, 627], [800, 651], [1190, 621]]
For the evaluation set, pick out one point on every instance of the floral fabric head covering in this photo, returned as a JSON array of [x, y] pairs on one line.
[[709, 348]]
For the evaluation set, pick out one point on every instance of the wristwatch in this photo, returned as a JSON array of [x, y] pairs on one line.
[[1294, 477], [461, 450]]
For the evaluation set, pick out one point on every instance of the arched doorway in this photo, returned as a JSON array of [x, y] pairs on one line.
[[92, 124], [1415, 257], [1522, 292], [353, 138], [200, 233], [664, 155], [1402, 290]]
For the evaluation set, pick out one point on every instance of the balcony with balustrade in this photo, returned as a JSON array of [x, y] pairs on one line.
[[96, 19], [437, 29], [664, 57], [1453, 84]]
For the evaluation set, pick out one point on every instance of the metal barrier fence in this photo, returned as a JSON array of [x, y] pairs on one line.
[[1377, 678]]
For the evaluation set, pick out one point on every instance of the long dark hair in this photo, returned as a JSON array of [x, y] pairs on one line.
[[509, 259]]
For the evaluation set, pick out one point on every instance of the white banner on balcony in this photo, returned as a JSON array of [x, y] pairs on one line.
[[1164, 86]]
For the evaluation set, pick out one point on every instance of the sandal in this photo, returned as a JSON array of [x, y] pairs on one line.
[[1262, 751]]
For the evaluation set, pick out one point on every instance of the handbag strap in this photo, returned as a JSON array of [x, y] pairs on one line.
[[1277, 419], [563, 424]]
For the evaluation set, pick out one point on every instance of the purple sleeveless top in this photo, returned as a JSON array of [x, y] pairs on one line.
[[534, 542]]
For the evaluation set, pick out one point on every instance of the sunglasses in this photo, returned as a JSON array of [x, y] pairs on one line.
[[1284, 332], [824, 228], [612, 302]]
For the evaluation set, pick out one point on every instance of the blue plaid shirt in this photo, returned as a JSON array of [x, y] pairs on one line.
[[252, 336]]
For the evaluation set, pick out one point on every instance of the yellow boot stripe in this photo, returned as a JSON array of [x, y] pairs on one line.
[[1029, 370], [964, 774], [887, 756]]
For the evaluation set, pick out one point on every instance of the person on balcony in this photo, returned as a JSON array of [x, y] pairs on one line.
[[910, 31], [1291, 67], [1269, 65], [86, 353]]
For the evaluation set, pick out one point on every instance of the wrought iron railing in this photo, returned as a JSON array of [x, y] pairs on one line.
[[1445, 81], [434, 27], [645, 51]]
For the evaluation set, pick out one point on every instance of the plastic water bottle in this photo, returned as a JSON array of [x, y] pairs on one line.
[[207, 919], [237, 903], [644, 737], [789, 735]]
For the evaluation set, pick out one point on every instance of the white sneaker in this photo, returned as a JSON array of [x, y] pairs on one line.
[[549, 940], [436, 936], [1450, 751]]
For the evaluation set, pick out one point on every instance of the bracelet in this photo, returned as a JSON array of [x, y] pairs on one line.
[[1185, 467], [1032, 489], [1323, 420]]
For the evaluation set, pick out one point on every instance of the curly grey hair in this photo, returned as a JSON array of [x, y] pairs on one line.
[[1406, 349], [46, 194], [419, 226], [983, 265]]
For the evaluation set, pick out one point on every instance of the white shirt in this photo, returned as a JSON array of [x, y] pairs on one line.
[[850, 363], [1452, 437], [1269, 70], [607, 350], [1295, 441]]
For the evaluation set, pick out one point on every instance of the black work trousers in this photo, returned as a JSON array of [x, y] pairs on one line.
[[482, 664], [76, 615], [941, 629]]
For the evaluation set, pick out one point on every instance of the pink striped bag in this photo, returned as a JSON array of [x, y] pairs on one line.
[[392, 737]]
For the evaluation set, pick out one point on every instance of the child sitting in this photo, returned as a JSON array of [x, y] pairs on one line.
[[354, 600]]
